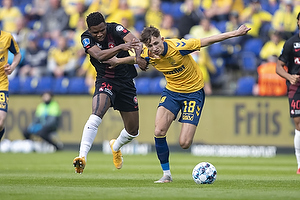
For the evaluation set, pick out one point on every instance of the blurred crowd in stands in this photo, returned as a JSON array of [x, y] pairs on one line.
[[48, 33]]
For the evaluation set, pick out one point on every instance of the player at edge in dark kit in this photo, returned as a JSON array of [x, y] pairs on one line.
[[290, 57]]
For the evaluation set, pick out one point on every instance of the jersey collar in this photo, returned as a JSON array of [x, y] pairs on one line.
[[165, 49]]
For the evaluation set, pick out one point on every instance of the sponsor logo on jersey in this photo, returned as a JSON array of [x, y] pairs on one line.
[[85, 42], [296, 50], [297, 60], [295, 112], [177, 70], [101, 89]]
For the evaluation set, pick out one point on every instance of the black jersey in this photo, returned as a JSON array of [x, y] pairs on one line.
[[114, 37], [290, 55]]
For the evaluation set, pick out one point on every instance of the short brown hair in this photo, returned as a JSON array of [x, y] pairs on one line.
[[147, 33]]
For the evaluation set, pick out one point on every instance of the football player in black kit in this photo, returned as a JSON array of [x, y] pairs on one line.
[[114, 87], [290, 57]]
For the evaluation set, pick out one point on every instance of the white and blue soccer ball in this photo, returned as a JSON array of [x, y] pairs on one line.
[[204, 173]]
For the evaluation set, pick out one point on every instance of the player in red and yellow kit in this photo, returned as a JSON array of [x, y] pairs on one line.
[[184, 90], [7, 43]]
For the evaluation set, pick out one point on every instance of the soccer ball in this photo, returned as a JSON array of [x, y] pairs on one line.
[[204, 173]]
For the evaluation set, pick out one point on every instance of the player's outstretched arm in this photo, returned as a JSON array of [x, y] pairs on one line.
[[103, 55], [242, 30], [114, 61]]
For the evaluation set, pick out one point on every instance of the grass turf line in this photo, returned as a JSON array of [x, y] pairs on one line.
[[51, 176]]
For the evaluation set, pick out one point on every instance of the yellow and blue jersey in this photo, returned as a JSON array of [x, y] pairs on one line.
[[7, 42], [182, 73]]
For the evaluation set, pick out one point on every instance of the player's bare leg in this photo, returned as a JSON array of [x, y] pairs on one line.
[[2, 122], [187, 135]]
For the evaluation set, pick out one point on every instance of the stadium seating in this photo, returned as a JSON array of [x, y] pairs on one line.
[[157, 85], [60, 85], [254, 45], [245, 86], [77, 86], [28, 85], [248, 61], [247, 56], [142, 85], [14, 85], [44, 84]]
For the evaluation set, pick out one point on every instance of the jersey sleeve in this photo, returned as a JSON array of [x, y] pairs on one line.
[[285, 52], [13, 47], [187, 46], [87, 41], [118, 30]]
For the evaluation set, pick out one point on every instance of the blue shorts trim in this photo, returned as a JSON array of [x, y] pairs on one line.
[[4, 97], [190, 105]]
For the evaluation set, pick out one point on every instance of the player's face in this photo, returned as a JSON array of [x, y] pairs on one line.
[[98, 32], [156, 45]]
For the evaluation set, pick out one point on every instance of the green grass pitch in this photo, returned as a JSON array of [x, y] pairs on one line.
[[51, 176]]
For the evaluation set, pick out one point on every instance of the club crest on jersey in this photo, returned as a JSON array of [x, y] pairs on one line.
[[111, 45], [85, 42]]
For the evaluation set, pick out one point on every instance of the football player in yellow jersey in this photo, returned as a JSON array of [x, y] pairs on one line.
[[7, 43], [184, 90]]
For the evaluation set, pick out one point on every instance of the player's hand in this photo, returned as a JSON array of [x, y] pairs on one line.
[[129, 46], [243, 30], [8, 70], [142, 63], [294, 78], [113, 62]]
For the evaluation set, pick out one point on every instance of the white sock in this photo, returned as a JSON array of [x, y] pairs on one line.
[[167, 173], [123, 139], [89, 133], [297, 146]]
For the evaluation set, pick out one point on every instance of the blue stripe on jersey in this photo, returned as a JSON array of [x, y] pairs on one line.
[[185, 52], [165, 49], [12, 48]]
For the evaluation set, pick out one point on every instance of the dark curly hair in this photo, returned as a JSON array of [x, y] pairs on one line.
[[94, 19]]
